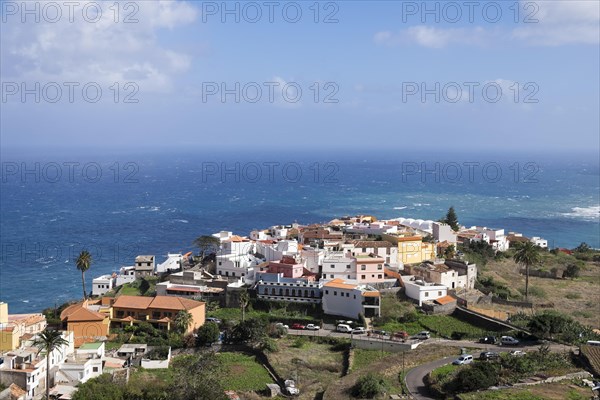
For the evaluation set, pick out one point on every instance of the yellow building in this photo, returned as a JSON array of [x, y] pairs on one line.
[[411, 249], [87, 325], [14, 326]]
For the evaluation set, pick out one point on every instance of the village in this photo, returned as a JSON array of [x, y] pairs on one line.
[[337, 281]]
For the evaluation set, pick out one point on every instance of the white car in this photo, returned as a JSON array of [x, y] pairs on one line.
[[465, 359], [280, 324], [517, 353], [312, 327], [424, 335], [358, 331]]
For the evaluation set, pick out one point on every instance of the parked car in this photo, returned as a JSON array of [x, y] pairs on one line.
[[509, 341], [358, 331], [379, 332], [489, 355], [343, 328], [281, 325], [517, 353], [423, 335], [298, 326], [215, 320], [464, 359], [401, 335], [488, 340], [312, 327]]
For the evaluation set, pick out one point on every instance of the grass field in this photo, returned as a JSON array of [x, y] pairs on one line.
[[364, 358], [570, 296], [312, 365], [244, 373], [564, 390], [439, 325]]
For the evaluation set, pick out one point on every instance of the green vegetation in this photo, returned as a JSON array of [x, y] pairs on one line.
[[364, 358], [190, 378], [451, 219], [141, 287], [48, 341], [207, 244], [207, 334], [509, 369], [144, 332], [527, 254], [487, 284], [558, 391], [243, 372], [447, 326], [368, 386], [554, 325], [83, 263]]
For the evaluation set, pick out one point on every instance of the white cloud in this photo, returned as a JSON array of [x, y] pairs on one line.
[[432, 37], [105, 51], [562, 22]]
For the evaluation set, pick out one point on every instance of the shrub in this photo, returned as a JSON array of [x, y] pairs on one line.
[[207, 334], [270, 345], [573, 296], [368, 386], [476, 377]]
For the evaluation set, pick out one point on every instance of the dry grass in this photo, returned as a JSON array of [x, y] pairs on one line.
[[554, 391], [314, 366], [578, 298], [390, 367]]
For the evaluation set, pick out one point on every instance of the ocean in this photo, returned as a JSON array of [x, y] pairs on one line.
[[156, 203]]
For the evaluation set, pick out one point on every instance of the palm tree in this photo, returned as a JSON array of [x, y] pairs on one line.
[[83, 263], [244, 300], [183, 319], [527, 254], [48, 341]]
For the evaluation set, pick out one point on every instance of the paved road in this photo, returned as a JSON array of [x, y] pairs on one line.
[[414, 377]]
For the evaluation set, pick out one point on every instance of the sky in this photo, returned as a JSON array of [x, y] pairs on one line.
[[333, 76]]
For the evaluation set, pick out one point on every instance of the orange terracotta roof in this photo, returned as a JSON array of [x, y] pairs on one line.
[[370, 294], [445, 300], [77, 312], [162, 302], [137, 302], [339, 284], [128, 318], [16, 391]]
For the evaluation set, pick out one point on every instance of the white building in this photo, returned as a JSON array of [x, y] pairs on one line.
[[339, 265], [276, 250], [372, 228], [381, 248], [348, 298], [173, 263], [443, 233], [102, 284], [495, 237], [237, 266], [538, 241], [126, 275], [312, 258], [82, 366], [420, 291]]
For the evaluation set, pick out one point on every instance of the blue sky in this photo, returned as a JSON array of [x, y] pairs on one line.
[[373, 62]]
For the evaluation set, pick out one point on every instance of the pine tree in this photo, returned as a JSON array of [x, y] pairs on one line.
[[451, 219]]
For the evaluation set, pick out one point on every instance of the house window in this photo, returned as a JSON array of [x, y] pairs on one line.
[[347, 294], [281, 292], [348, 276], [95, 369], [347, 266], [363, 267], [331, 276], [332, 266], [364, 249], [379, 266], [379, 276], [220, 263], [426, 294], [327, 292], [440, 293], [362, 277], [355, 296]]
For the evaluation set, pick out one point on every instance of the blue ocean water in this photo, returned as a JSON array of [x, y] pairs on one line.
[[121, 206]]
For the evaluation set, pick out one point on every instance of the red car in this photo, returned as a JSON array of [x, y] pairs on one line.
[[298, 326], [401, 335]]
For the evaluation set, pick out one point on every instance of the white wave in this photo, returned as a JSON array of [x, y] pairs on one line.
[[587, 213], [183, 221], [25, 301], [400, 208]]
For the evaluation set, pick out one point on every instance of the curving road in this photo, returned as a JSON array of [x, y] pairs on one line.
[[414, 378]]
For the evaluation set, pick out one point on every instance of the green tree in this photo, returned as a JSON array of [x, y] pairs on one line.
[[475, 377], [198, 378], [450, 252], [250, 331], [527, 254], [48, 341], [83, 263], [572, 271], [182, 321], [244, 301], [582, 248], [368, 386], [100, 388], [207, 334], [451, 219], [207, 244]]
